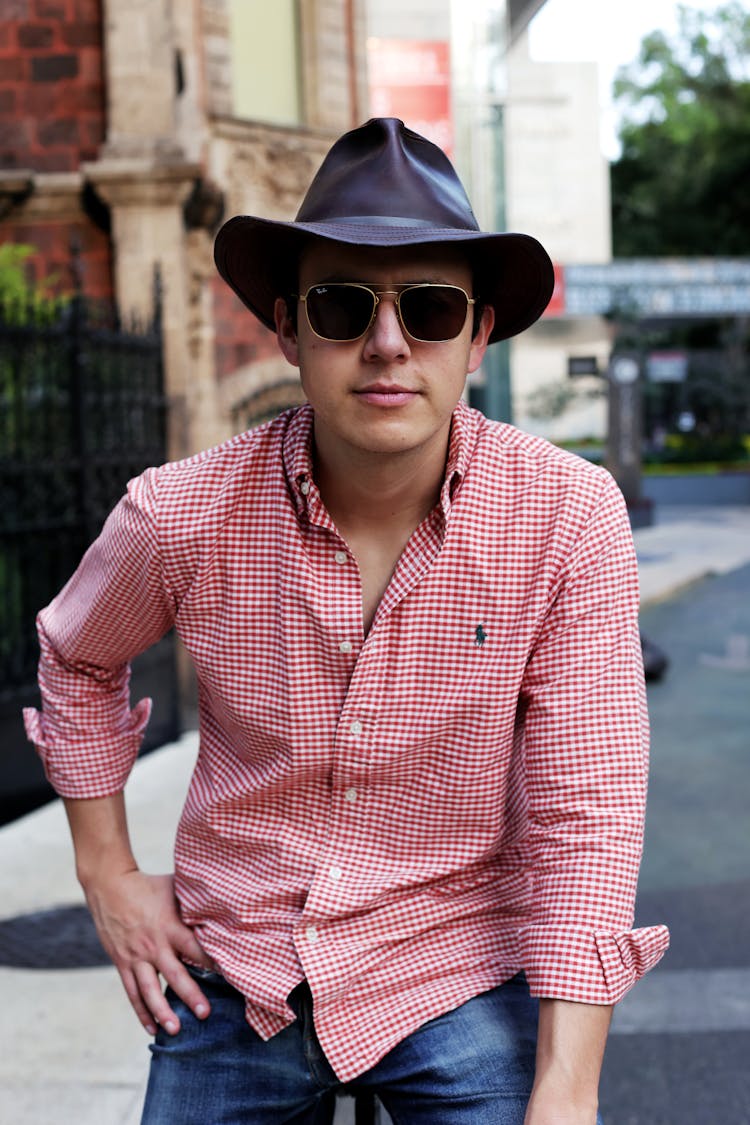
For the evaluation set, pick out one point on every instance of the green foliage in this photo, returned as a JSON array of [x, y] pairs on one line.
[[14, 284], [680, 186], [22, 300], [686, 449], [552, 400]]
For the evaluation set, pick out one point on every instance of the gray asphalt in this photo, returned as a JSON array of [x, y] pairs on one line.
[[680, 1051]]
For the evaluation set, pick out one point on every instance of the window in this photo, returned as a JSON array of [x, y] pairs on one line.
[[265, 60]]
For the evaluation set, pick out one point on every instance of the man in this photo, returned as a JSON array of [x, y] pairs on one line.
[[418, 801]]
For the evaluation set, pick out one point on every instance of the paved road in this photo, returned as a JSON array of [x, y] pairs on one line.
[[680, 1052]]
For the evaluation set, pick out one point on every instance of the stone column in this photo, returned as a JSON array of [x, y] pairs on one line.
[[146, 204], [140, 52]]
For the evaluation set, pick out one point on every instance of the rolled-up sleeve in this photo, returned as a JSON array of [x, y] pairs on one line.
[[585, 759], [116, 605]]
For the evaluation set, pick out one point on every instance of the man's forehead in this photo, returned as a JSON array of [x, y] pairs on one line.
[[328, 261]]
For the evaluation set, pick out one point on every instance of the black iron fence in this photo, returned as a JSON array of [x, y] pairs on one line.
[[82, 409]]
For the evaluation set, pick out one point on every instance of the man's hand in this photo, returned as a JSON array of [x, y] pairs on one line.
[[138, 923], [136, 915]]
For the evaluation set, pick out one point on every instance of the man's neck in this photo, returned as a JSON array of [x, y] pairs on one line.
[[371, 491]]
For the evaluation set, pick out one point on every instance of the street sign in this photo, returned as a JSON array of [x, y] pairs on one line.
[[658, 287], [582, 365], [667, 367]]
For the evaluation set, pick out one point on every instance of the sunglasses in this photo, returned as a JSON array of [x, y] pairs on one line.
[[428, 312]]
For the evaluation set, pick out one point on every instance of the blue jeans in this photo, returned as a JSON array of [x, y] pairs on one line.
[[472, 1066]]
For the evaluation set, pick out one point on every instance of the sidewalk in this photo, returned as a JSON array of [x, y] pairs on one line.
[[71, 1051]]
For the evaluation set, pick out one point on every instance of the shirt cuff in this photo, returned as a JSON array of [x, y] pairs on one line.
[[87, 765], [588, 966]]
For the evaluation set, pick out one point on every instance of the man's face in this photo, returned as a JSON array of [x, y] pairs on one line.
[[384, 393]]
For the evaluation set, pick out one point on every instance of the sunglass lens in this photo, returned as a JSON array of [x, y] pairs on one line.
[[339, 312], [433, 312]]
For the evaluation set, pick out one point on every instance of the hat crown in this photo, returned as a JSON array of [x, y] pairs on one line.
[[384, 172]]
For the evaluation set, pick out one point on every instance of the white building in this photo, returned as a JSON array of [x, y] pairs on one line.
[[557, 188], [527, 146]]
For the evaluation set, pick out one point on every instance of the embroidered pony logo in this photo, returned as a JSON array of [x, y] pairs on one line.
[[479, 636]]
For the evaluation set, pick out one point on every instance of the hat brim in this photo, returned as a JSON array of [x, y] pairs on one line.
[[258, 260]]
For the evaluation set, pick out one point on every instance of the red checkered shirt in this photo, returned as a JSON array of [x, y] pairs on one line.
[[406, 818]]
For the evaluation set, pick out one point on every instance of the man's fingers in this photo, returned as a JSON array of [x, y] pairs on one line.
[[181, 982], [186, 945], [133, 992], [144, 990], [153, 998]]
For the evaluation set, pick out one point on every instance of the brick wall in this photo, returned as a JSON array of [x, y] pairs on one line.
[[240, 338], [52, 119], [51, 262], [52, 110]]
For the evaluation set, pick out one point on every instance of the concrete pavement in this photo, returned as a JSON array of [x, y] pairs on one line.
[[72, 1052]]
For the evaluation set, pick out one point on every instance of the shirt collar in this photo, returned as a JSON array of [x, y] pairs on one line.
[[460, 447], [297, 455]]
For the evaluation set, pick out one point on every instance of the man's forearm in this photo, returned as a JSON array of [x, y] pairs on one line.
[[100, 837], [570, 1051]]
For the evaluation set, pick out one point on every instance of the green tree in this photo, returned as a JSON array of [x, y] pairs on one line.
[[680, 186], [21, 298], [14, 285]]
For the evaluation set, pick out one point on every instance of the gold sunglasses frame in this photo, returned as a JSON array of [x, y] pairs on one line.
[[397, 294]]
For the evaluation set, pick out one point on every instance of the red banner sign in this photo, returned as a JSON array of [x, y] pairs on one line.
[[410, 79]]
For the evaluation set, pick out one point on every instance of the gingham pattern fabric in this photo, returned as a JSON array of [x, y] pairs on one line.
[[405, 818]]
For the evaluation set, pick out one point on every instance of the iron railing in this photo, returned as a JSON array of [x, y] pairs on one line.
[[82, 409]]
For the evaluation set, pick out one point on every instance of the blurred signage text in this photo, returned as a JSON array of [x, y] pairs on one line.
[[411, 79], [667, 367], [654, 288]]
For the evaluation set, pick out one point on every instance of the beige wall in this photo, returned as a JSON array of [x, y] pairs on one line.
[[556, 175], [557, 188]]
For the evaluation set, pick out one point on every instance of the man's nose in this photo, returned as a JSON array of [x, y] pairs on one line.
[[385, 336]]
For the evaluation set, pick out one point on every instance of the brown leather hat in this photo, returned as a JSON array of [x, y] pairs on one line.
[[384, 185]]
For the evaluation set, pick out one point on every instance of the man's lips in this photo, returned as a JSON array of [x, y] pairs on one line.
[[386, 394]]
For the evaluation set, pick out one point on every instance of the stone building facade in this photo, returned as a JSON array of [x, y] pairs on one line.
[[119, 129]]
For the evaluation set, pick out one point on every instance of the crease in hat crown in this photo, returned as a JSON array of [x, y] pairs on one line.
[[384, 174], [384, 185]]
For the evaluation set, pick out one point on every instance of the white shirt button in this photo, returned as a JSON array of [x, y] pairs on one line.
[[335, 873], [355, 727], [311, 934], [351, 795], [345, 646], [304, 487], [340, 557]]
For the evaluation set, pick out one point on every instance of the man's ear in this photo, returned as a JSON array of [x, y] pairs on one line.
[[481, 337], [286, 333]]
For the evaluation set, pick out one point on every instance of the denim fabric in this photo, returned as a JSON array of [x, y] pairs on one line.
[[471, 1066]]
